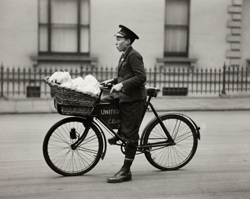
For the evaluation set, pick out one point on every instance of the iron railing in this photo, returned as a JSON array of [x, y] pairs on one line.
[[22, 83]]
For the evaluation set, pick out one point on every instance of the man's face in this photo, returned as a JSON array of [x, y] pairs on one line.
[[121, 44]]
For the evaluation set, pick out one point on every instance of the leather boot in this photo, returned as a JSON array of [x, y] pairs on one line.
[[121, 176]]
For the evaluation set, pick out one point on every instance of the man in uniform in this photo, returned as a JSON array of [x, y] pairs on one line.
[[132, 94]]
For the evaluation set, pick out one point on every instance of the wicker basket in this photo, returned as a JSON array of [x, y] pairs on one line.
[[71, 102], [73, 110]]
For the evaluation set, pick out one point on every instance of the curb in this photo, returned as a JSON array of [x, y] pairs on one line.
[[158, 110], [161, 104]]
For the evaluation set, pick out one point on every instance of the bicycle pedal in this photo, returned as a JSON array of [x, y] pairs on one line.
[[143, 150], [113, 140]]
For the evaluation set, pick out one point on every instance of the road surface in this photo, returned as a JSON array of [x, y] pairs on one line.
[[219, 169]]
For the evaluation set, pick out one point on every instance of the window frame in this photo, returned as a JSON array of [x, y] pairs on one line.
[[187, 27], [49, 25]]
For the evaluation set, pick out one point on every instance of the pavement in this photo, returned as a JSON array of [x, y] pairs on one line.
[[161, 103]]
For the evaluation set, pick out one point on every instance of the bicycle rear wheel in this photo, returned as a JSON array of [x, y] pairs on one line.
[[175, 156], [59, 154]]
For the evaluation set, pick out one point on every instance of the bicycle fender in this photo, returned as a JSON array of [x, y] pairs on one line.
[[195, 125], [103, 139]]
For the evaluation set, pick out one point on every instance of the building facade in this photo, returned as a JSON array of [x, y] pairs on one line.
[[173, 33]]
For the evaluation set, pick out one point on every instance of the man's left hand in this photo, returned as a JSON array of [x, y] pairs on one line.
[[116, 88]]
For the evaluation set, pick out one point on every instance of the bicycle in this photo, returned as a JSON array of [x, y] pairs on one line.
[[74, 145]]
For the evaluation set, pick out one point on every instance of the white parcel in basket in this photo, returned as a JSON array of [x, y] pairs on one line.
[[89, 85], [60, 77]]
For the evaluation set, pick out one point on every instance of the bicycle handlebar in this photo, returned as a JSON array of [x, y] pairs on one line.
[[104, 85], [151, 91]]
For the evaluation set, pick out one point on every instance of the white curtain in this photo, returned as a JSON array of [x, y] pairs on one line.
[[43, 28], [64, 11], [85, 12], [64, 39], [43, 11], [176, 25], [176, 12], [84, 40], [84, 28], [64, 25], [43, 38], [176, 40]]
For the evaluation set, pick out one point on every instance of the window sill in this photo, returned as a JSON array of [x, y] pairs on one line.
[[166, 60], [64, 58]]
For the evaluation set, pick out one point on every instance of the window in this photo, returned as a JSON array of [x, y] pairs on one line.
[[64, 27], [176, 28]]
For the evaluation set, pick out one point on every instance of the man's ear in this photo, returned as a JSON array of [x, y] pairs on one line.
[[128, 41]]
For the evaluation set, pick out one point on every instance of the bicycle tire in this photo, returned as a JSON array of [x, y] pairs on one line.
[[171, 157], [58, 153]]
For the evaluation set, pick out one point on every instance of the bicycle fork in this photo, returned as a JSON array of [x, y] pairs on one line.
[[79, 141]]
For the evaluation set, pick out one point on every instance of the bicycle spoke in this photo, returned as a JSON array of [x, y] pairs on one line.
[[170, 157], [65, 160]]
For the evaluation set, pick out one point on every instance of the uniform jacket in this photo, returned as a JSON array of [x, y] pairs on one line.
[[132, 74]]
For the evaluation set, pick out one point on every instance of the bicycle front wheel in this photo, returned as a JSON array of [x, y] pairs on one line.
[[175, 156], [66, 160]]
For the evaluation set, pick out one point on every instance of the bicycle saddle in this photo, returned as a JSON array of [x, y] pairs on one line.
[[152, 92]]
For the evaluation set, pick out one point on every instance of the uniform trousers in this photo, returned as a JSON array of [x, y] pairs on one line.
[[131, 117]]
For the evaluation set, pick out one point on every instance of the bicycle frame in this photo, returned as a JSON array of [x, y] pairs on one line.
[[96, 114], [74, 145]]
